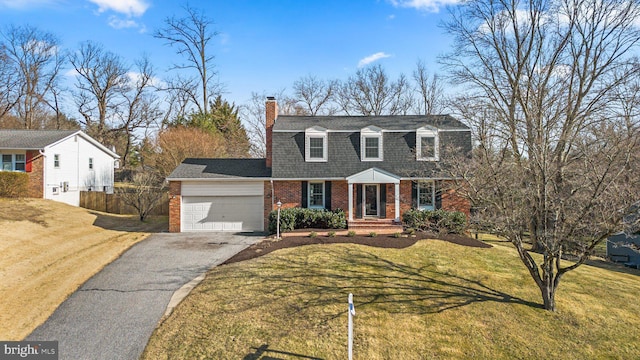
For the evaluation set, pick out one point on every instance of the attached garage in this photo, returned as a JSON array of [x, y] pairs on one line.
[[222, 206]]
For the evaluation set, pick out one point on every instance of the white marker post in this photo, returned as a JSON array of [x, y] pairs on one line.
[[352, 313]]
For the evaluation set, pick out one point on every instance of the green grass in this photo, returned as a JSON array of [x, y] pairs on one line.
[[433, 300]]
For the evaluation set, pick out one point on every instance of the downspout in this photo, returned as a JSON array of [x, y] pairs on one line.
[[44, 173], [272, 195]]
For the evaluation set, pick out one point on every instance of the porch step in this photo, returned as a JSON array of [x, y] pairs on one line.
[[382, 226]]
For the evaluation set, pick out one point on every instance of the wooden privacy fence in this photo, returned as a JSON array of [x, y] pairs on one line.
[[111, 203]]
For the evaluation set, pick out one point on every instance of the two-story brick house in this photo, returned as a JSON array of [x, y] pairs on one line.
[[373, 167]]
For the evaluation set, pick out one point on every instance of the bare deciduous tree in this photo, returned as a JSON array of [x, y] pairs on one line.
[[429, 89], [191, 36], [371, 92], [551, 165], [113, 100], [100, 81], [253, 117], [31, 65], [315, 94], [143, 193]]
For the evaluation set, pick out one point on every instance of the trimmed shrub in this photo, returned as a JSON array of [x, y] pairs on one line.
[[441, 221], [351, 233], [313, 234], [373, 234], [331, 234], [299, 218], [13, 184]]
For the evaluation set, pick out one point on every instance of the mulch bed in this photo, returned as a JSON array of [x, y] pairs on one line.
[[383, 241]]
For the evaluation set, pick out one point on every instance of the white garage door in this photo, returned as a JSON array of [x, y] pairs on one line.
[[222, 213]]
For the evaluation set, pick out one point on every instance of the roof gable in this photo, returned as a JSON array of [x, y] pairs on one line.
[[41, 139], [32, 139]]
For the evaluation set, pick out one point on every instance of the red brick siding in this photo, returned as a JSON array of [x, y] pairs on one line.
[[452, 201], [174, 205], [287, 192], [269, 204], [271, 113], [390, 208], [340, 196], [35, 162], [405, 196]]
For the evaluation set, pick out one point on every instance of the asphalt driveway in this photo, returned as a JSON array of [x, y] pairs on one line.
[[114, 313]]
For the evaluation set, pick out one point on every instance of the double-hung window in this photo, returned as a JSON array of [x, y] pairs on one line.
[[427, 144], [90, 163], [426, 195], [13, 162], [316, 144], [371, 144], [7, 162], [316, 195], [56, 161]]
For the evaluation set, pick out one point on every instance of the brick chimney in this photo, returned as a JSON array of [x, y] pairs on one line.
[[270, 119]]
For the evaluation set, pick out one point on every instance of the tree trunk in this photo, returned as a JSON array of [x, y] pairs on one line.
[[548, 296]]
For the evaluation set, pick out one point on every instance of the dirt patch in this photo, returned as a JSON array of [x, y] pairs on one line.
[[382, 241]]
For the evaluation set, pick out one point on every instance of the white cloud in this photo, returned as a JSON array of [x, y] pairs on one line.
[[117, 23], [127, 7], [371, 58], [71, 73], [135, 77], [424, 5]]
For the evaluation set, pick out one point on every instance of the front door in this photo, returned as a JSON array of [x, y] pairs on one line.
[[371, 204]]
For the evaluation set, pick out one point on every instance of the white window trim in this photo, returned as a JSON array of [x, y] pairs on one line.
[[427, 132], [315, 132], [14, 162], [309, 195], [371, 132], [433, 195]]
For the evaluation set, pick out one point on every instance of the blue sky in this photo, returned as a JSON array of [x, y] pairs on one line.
[[262, 46]]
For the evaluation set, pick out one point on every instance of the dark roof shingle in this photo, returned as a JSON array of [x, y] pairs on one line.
[[350, 123], [221, 169], [31, 139]]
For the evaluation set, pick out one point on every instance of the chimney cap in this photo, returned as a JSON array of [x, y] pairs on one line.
[[271, 98]]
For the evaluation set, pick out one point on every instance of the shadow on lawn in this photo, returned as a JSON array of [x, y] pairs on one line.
[[130, 223], [306, 284], [264, 348]]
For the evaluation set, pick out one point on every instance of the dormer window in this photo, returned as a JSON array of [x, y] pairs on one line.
[[316, 144], [371, 146], [427, 144]]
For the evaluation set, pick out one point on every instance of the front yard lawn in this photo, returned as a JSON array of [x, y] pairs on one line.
[[431, 300], [49, 249]]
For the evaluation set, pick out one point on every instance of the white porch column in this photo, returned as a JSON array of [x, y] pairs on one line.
[[350, 201], [397, 197]]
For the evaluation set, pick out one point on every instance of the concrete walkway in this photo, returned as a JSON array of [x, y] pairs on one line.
[[114, 313]]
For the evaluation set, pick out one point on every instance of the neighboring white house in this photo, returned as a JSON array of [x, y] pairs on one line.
[[60, 163]]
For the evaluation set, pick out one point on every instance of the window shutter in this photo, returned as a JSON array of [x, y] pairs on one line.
[[383, 201], [28, 166], [414, 194], [327, 195], [358, 201], [305, 194], [438, 204]]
